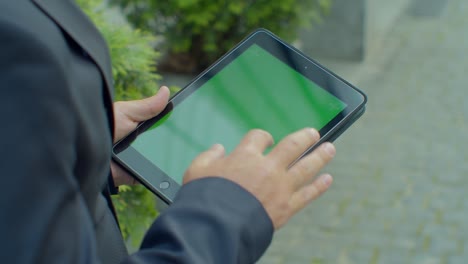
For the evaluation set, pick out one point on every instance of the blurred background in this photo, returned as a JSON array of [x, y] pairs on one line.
[[401, 172]]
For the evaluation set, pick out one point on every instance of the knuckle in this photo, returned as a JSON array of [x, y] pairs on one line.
[[302, 138], [303, 169], [294, 142], [320, 159], [250, 149], [295, 203], [326, 152], [301, 175], [312, 192]]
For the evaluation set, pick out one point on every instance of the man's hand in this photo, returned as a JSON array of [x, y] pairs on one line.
[[127, 116], [282, 190]]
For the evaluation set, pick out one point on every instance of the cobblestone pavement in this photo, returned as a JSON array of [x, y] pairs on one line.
[[401, 173]]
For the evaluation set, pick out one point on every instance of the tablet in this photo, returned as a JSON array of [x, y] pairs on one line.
[[262, 83]]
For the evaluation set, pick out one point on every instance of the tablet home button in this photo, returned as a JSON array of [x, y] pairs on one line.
[[164, 185]]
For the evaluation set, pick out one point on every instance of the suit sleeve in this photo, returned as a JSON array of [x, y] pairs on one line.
[[212, 220], [44, 217]]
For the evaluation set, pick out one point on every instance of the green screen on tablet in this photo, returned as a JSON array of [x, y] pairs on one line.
[[255, 90], [262, 83]]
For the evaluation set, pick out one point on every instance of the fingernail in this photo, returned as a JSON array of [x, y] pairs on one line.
[[329, 148], [217, 146], [314, 132], [218, 149], [162, 88], [327, 179]]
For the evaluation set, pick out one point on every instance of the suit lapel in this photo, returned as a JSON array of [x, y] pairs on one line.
[[79, 27]]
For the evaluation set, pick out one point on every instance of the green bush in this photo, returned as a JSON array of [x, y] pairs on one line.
[[197, 32], [133, 68]]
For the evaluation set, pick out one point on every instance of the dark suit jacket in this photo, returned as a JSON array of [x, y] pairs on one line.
[[55, 145]]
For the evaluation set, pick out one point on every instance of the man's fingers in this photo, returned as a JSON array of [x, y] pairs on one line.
[[256, 140], [205, 158], [307, 167], [128, 114], [310, 192], [292, 146], [144, 109], [215, 152]]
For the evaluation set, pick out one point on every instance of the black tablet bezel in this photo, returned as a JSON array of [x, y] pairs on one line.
[[166, 189]]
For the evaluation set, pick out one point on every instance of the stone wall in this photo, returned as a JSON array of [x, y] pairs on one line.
[[352, 28]]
